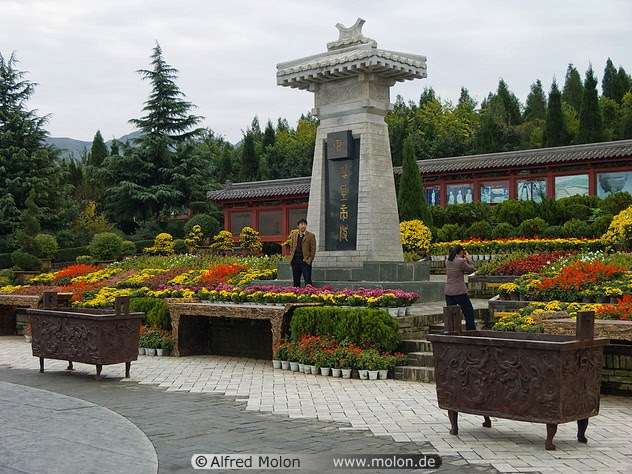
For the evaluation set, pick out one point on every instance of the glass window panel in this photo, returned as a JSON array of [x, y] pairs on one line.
[[493, 192], [531, 189], [295, 215], [433, 196], [572, 185], [269, 222], [239, 220], [610, 183], [459, 193]]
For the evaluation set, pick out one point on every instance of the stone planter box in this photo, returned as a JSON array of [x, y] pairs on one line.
[[99, 337], [519, 376], [486, 286]]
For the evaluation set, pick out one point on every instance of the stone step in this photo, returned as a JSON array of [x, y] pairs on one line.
[[414, 345], [420, 359], [414, 374]]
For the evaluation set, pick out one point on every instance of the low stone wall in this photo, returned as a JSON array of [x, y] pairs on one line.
[[615, 330], [616, 376]]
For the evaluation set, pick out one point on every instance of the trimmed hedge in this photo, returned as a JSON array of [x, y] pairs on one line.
[[5, 260], [155, 309], [70, 254], [362, 326]]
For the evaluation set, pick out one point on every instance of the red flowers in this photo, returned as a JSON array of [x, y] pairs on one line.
[[532, 263]]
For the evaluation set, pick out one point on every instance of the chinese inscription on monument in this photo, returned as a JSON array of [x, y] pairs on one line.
[[342, 191]]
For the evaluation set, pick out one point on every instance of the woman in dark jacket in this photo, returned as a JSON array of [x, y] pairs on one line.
[[457, 265]]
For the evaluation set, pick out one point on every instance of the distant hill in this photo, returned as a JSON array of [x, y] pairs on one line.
[[72, 148]]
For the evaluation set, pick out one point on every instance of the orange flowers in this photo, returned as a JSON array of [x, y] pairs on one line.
[[220, 274]]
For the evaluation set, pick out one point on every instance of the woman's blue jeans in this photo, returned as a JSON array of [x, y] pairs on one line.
[[466, 307]]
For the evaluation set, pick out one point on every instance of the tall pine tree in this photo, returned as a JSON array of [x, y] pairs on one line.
[[555, 132], [143, 183], [573, 89], [590, 121], [411, 203], [28, 167]]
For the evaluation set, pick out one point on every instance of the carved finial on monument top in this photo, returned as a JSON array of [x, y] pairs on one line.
[[351, 36]]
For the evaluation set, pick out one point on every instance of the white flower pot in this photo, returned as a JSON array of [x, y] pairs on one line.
[[276, 364]]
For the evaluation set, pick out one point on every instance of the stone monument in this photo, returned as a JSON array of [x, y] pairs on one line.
[[352, 202]]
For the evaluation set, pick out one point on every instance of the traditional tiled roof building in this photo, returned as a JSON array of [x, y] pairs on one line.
[[599, 169]]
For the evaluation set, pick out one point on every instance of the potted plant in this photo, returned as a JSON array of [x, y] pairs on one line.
[[27, 333], [167, 343]]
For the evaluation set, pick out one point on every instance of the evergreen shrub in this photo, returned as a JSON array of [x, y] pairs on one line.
[[70, 254], [26, 261], [155, 309], [106, 246], [361, 326], [615, 203], [504, 230], [532, 227]]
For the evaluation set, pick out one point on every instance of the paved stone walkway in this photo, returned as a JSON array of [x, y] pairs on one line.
[[386, 414]]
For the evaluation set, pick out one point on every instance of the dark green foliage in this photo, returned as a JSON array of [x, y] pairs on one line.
[[578, 211], [552, 232], [128, 248], [480, 230], [573, 88], [439, 216], [249, 159], [5, 260], [47, 246], [372, 327], [555, 132], [155, 309], [161, 172], [210, 225], [450, 232], [175, 228], [141, 244], [411, 203], [26, 261], [551, 211], [576, 228], [514, 212], [28, 167], [536, 103], [504, 230], [615, 83], [590, 120], [532, 227], [106, 246], [179, 246], [70, 254], [467, 214], [615, 203], [600, 225], [99, 151]]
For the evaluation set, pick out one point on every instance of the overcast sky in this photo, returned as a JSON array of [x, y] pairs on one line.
[[84, 54]]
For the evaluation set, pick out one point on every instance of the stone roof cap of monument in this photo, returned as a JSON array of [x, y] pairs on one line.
[[349, 56], [538, 156]]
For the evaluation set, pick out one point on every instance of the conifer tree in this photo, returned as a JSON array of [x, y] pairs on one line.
[[98, 152], [535, 107], [28, 167], [573, 89], [555, 133], [590, 121], [610, 83], [143, 183], [411, 203], [249, 159]]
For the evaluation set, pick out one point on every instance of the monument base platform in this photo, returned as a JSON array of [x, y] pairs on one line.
[[406, 276]]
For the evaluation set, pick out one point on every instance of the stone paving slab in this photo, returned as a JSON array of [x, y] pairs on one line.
[[390, 411]]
